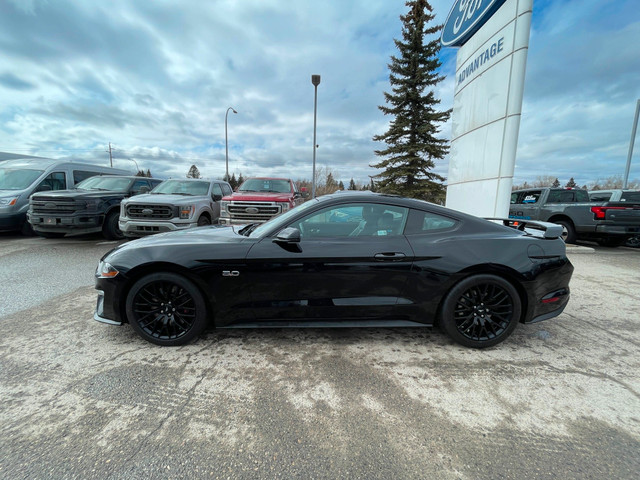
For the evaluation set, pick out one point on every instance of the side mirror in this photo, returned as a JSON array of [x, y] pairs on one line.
[[289, 235], [144, 189], [216, 198], [44, 188], [305, 194]]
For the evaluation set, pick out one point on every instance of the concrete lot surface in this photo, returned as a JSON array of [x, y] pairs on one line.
[[560, 399]]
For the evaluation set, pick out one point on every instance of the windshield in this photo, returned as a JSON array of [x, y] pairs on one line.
[[280, 221], [17, 179], [104, 183], [265, 185], [182, 187]]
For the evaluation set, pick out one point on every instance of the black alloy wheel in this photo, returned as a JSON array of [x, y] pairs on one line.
[[481, 311], [110, 228], [166, 309], [203, 220]]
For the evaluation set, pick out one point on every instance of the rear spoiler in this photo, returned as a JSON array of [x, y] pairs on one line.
[[551, 230]]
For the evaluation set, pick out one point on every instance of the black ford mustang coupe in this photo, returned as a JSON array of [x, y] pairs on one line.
[[347, 259]]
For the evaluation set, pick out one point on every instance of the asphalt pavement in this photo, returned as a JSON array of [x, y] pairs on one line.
[[558, 399]]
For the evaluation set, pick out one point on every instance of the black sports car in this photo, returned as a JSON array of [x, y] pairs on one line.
[[347, 259]]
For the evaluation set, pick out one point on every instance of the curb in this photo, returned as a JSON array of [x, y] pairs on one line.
[[579, 249]]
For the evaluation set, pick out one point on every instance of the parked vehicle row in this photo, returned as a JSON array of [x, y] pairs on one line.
[[610, 218], [21, 178]]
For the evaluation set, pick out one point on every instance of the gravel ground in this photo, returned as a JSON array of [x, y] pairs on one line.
[[559, 399]]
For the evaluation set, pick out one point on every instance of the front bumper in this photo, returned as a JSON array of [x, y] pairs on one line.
[[99, 313], [139, 228], [66, 224]]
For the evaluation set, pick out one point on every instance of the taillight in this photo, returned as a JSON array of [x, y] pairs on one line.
[[600, 213]]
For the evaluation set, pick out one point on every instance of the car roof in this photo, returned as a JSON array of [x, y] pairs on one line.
[[44, 163]]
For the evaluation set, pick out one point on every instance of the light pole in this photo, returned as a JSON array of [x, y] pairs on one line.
[[633, 139], [137, 167], [315, 79], [226, 142]]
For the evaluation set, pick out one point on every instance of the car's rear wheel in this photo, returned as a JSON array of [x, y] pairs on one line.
[[481, 311], [166, 309], [110, 228], [203, 220]]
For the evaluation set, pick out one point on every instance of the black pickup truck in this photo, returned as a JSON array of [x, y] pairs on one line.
[[609, 223], [93, 206]]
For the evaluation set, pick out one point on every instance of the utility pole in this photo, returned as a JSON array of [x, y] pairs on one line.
[[633, 139], [315, 80], [110, 157]]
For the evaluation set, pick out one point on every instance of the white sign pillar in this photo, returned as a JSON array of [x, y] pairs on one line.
[[487, 105]]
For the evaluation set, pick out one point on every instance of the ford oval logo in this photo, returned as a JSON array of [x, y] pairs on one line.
[[50, 206], [465, 18], [147, 211], [252, 210]]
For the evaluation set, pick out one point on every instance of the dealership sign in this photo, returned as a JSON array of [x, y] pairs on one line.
[[465, 18]]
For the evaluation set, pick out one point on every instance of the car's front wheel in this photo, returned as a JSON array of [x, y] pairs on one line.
[[110, 228], [166, 309], [481, 311]]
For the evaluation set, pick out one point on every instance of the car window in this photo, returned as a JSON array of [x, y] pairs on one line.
[[80, 175], [182, 187], [560, 196], [265, 185], [216, 190], [354, 220], [137, 185], [600, 196], [226, 190], [17, 179], [581, 196], [528, 197], [630, 197], [421, 222], [56, 181]]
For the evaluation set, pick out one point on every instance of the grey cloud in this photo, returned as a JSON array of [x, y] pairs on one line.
[[10, 80]]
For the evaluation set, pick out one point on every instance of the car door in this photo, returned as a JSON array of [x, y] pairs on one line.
[[337, 270]]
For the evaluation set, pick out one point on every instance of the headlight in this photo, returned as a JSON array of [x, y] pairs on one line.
[[106, 270], [8, 201], [92, 204], [187, 211], [285, 206], [223, 206]]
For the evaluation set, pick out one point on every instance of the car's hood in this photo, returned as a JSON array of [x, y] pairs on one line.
[[83, 194], [259, 197], [161, 199], [202, 244]]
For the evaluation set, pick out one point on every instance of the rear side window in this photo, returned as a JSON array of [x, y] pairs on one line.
[[421, 222], [630, 197], [528, 197], [138, 184], [226, 189], [80, 175], [560, 196], [216, 190]]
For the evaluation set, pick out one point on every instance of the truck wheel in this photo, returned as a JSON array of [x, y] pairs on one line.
[[110, 229], [568, 231], [203, 220], [27, 229], [611, 242]]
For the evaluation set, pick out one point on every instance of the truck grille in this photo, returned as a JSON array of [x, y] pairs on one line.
[[253, 211], [48, 205], [150, 211]]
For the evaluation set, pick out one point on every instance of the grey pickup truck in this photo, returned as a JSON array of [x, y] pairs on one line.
[[608, 223]]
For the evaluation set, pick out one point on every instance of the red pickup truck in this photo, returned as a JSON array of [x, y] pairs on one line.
[[259, 199]]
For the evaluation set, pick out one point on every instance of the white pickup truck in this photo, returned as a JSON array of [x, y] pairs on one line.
[[175, 204]]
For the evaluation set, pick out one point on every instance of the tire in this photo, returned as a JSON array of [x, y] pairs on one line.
[[611, 242], [51, 234], [633, 242], [203, 220], [481, 311], [27, 229], [166, 309], [110, 228], [568, 231]]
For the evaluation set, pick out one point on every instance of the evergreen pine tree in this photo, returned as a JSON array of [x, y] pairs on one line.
[[571, 183], [240, 180], [556, 183], [233, 181], [148, 173], [412, 145], [340, 185], [193, 172], [352, 185]]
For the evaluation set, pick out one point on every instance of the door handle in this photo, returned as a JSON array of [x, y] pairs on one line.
[[389, 256]]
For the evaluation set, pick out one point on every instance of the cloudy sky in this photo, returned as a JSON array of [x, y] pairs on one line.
[[155, 79]]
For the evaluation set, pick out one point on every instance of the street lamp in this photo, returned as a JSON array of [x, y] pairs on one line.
[[137, 167], [226, 141], [315, 79], [633, 139]]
